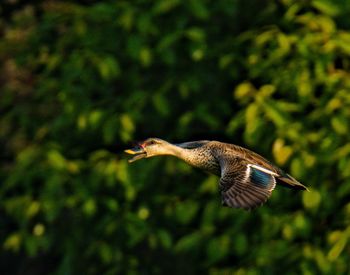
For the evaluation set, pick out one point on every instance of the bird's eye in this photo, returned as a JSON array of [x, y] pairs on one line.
[[152, 142]]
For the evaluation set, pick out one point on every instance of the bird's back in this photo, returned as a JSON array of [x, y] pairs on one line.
[[232, 151]]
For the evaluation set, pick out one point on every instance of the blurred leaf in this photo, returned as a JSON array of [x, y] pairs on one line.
[[298, 167], [326, 7], [311, 199], [110, 129], [161, 104], [33, 209], [218, 248], [281, 152], [108, 68], [244, 90], [146, 56], [38, 230], [195, 34], [168, 40], [13, 242], [143, 213], [188, 242], [209, 185], [199, 9], [95, 118], [89, 207], [277, 115], [165, 238], [165, 6], [339, 246], [56, 159], [340, 125], [186, 211], [127, 127], [240, 244]]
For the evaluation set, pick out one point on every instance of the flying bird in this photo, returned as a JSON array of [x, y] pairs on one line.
[[246, 178]]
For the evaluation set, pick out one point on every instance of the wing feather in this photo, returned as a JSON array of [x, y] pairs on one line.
[[245, 185]]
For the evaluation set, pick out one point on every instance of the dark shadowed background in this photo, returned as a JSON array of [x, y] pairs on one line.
[[83, 80]]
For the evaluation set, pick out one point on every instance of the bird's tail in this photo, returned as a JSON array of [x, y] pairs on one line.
[[290, 182]]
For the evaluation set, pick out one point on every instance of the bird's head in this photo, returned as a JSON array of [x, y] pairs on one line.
[[149, 148]]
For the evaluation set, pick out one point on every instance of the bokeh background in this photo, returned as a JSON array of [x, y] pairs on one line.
[[83, 80]]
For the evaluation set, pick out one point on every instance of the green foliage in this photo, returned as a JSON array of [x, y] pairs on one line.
[[81, 80]]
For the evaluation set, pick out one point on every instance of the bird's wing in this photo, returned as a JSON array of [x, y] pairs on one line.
[[245, 185], [192, 144]]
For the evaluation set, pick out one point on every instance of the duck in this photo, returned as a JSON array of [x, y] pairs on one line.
[[246, 178]]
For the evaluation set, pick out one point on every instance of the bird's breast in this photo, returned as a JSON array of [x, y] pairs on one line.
[[205, 161]]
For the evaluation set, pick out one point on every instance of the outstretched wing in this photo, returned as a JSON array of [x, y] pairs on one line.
[[245, 185]]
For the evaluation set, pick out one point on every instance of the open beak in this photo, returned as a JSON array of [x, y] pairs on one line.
[[138, 151]]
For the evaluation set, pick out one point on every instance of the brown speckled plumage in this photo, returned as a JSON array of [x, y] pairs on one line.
[[246, 178]]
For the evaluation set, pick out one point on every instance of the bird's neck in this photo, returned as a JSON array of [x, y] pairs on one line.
[[181, 153], [197, 157]]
